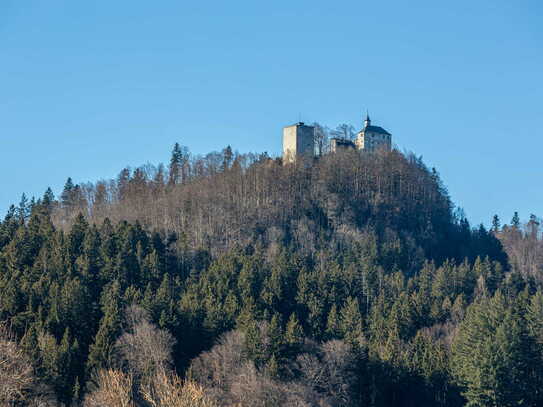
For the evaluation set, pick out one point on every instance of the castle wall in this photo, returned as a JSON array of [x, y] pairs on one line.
[[370, 141], [289, 143], [298, 140], [306, 140]]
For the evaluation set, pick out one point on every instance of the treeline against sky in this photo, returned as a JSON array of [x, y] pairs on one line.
[[226, 199], [232, 280]]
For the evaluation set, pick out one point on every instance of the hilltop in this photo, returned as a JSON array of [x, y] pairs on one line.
[[224, 200]]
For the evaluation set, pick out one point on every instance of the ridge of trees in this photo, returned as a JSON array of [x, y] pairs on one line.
[[224, 199]]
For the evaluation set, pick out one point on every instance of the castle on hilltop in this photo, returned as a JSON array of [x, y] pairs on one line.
[[299, 140]]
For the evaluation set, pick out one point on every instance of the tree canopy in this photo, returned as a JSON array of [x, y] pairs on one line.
[[348, 280]]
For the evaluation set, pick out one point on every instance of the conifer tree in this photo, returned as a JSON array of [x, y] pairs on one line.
[[23, 210], [228, 157], [275, 343], [253, 345], [109, 329], [493, 357], [294, 334], [333, 328], [351, 322], [66, 198], [534, 316], [48, 199], [176, 162], [495, 224], [515, 222]]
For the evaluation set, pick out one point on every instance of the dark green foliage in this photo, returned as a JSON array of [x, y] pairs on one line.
[[494, 356], [381, 274]]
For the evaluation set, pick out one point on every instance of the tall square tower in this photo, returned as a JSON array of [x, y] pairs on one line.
[[298, 140]]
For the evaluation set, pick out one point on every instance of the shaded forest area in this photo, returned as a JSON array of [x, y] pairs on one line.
[[232, 280]]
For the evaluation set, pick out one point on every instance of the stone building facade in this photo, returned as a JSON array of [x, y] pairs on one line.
[[372, 138], [298, 140]]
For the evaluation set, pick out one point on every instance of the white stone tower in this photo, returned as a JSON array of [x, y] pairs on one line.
[[298, 140], [372, 138]]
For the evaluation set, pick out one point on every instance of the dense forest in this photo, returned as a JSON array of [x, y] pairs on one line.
[[233, 280]]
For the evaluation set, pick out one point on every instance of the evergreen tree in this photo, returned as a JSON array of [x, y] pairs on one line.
[[495, 224], [515, 222], [24, 208], [66, 198], [228, 157], [294, 333], [351, 322], [333, 327], [493, 357], [534, 316], [253, 346], [48, 199], [176, 162], [109, 329]]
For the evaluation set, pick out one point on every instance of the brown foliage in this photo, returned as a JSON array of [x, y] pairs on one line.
[[142, 376], [18, 383], [214, 368], [330, 371], [163, 389], [219, 206], [143, 349], [524, 247], [114, 388], [16, 374], [168, 390], [325, 376]]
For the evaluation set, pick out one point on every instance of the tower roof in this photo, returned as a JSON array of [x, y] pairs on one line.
[[367, 120], [372, 129], [298, 124], [375, 129]]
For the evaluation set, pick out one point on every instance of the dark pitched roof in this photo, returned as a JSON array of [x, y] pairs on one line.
[[342, 141], [375, 129]]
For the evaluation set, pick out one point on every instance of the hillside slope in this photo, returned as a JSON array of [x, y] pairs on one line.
[[224, 200], [341, 282]]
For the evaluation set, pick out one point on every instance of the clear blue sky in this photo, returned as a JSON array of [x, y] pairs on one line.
[[87, 87]]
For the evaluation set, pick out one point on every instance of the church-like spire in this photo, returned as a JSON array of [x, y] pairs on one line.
[[367, 122]]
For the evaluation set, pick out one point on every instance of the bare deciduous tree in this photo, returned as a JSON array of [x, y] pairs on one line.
[[18, 383], [215, 367], [143, 375], [326, 375], [143, 350], [524, 246], [16, 374], [330, 371], [344, 131], [168, 390], [114, 388], [322, 139]]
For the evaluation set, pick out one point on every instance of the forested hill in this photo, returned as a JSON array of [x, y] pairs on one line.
[[232, 280], [224, 200]]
